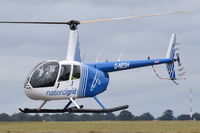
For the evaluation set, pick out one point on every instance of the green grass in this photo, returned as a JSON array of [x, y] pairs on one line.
[[102, 127]]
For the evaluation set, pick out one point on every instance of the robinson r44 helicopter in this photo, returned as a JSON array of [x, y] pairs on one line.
[[71, 79]]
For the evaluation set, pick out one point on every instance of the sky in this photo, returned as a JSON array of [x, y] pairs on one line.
[[23, 46]]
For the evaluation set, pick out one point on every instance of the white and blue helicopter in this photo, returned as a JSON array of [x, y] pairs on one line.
[[71, 79]]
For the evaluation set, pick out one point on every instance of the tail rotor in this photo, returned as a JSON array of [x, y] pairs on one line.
[[173, 53], [181, 70]]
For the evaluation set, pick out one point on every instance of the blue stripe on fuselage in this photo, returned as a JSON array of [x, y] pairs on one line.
[[83, 81]]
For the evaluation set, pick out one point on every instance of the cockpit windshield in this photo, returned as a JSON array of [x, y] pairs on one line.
[[29, 74], [45, 75]]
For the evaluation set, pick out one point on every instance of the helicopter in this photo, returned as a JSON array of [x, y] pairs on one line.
[[71, 79]]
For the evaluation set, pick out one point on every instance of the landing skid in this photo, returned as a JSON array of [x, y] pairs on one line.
[[74, 110]]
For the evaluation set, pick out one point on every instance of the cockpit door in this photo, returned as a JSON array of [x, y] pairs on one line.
[[64, 77], [75, 78], [69, 79]]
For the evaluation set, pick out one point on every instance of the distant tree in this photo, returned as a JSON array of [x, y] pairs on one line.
[[125, 115], [46, 117], [5, 117], [167, 116], [20, 117], [183, 117], [147, 116], [137, 118], [57, 117], [82, 117], [68, 117], [196, 116], [35, 118], [110, 116], [97, 116]]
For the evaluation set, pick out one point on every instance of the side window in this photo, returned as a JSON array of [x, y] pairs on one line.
[[64, 73], [76, 72]]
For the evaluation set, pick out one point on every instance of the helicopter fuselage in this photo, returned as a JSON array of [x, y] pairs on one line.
[[53, 80]]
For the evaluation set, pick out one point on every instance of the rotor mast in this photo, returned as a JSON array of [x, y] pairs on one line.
[[73, 51]]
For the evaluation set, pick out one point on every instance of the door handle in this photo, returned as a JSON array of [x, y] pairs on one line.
[[58, 85], [72, 83]]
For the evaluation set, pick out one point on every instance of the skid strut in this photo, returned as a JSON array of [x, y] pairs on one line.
[[98, 101], [72, 100], [69, 103], [42, 105]]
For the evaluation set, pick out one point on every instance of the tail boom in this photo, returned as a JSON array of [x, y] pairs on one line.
[[124, 65]]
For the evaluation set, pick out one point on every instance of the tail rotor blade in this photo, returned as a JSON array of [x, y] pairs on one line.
[[180, 68], [181, 71], [182, 74]]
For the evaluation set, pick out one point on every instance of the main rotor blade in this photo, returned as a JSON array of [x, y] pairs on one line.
[[91, 21], [132, 17], [18, 22]]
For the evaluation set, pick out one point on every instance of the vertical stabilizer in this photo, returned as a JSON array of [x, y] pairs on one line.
[[170, 54], [171, 48]]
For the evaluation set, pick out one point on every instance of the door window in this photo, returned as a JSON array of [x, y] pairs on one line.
[[76, 72], [64, 73]]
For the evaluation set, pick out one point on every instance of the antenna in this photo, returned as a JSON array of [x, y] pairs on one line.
[[190, 103], [122, 52], [99, 54], [83, 57]]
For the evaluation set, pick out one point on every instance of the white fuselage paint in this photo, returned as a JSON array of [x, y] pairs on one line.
[[61, 90]]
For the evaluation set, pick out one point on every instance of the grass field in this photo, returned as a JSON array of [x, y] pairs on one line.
[[101, 127]]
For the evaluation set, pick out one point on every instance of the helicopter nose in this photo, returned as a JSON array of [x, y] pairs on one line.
[[33, 93], [27, 91]]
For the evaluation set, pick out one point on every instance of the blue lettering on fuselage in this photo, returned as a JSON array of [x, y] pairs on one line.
[[61, 92], [121, 65]]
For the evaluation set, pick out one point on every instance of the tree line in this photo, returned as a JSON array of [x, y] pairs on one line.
[[123, 116]]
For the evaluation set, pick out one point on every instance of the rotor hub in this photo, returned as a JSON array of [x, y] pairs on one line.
[[73, 24]]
